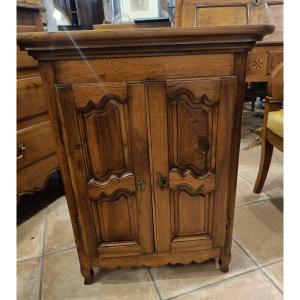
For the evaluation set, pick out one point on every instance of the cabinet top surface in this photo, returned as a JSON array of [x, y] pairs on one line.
[[141, 42]]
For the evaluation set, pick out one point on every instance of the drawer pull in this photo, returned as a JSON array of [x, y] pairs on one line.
[[163, 182], [21, 151]]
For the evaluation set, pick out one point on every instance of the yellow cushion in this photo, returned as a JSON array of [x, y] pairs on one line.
[[275, 122]]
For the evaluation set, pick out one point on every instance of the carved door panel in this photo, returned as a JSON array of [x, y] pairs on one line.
[[105, 133], [191, 125]]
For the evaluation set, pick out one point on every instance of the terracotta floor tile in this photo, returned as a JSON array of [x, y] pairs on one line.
[[28, 279], [251, 286], [59, 234], [275, 272], [245, 194], [274, 182], [30, 237], [258, 228], [178, 279], [62, 280]]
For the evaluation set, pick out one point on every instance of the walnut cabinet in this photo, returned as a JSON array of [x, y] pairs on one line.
[[147, 124]]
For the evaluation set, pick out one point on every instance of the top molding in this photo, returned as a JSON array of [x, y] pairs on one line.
[[141, 42]]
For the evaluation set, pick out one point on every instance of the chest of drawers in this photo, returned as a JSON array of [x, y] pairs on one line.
[[36, 151]]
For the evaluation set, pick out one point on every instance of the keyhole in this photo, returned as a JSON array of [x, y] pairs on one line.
[[164, 182]]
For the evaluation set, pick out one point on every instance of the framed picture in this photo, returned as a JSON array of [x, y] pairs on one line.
[[139, 9]]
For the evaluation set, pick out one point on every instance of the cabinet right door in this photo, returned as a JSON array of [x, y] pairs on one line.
[[191, 126]]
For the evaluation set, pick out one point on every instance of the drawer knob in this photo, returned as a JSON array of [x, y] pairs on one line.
[[163, 182], [21, 151]]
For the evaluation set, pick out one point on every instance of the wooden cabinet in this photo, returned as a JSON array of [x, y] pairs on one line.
[[267, 54], [36, 151], [148, 128]]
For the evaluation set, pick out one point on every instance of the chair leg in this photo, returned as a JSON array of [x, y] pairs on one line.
[[265, 160]]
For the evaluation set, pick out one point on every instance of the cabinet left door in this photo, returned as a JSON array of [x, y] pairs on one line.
[[104, 130]]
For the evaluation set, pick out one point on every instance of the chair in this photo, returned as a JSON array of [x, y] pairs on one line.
[[272, 130]]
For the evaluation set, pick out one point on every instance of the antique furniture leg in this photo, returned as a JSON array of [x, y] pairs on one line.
[[273, 103], [240, 61], [224, 263], [88, 274], [265, 160]]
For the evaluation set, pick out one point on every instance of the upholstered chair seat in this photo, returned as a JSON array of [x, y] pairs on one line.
[[275, 122]]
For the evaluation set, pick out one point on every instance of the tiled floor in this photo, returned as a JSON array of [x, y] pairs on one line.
[[48, 265]]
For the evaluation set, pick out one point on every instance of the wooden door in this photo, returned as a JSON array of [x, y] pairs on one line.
[[106, 138], [191, 125]]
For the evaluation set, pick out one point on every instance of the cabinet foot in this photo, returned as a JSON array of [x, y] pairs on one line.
[[223, 263], [88, 275]]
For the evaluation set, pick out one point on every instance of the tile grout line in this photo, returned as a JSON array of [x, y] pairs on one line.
[[257, 268], [271, 280], [260, 267], [245, 178], [42, 256], [252, 202], [246, 252], [259, 201], [46, 254], [58, 251], [213, 283], [155, 285], [30, 258], [272, 263]]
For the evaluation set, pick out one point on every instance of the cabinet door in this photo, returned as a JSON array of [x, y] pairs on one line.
[[191, 126], [105, 135]]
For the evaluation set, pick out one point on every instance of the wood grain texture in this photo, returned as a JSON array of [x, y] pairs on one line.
[[207, 13], [30, 98], [141, 42], [137, 68], [157, 259], [33, 129], [146, 143], [39, 142], [205, 183]]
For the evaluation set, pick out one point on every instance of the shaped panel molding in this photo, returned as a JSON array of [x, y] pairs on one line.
[[105, 129], [189, 182], [191, 130], [112, 188]]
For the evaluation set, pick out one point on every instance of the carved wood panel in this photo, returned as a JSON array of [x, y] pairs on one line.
[[192, 143], [107, 134], [189, 161]]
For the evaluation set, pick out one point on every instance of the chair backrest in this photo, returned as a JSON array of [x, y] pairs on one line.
[[275, 83], [200, 13]]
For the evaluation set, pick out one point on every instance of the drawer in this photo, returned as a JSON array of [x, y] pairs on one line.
[[30, 98], [38, 142], [35, 177]]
